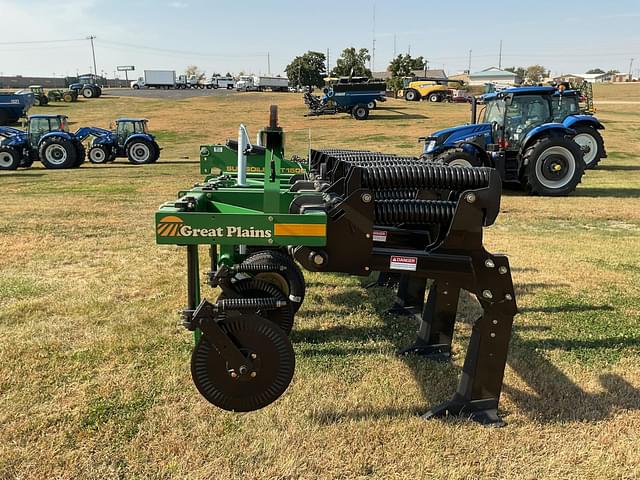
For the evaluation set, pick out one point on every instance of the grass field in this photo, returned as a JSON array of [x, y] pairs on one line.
[[94, 377]]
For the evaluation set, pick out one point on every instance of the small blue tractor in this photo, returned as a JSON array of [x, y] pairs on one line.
[[131, 139], [526, 134], [87, 90], [356, 96], [47, 139]]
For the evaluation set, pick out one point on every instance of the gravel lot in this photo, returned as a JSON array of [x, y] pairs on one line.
[[174, 94]]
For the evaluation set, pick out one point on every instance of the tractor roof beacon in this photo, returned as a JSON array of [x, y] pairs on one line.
[[531, 135]]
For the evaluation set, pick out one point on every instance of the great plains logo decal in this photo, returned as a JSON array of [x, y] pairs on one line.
[[172, 226]]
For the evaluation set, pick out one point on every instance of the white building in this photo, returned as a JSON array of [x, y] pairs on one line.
[[494, 75]]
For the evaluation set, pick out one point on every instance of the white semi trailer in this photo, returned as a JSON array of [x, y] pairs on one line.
[[156, 79], [254, 83]]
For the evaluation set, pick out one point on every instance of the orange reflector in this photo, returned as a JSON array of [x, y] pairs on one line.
[[300, 230]]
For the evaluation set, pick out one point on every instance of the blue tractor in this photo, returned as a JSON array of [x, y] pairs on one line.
[[529, 135], [131, 139], [47, 139]]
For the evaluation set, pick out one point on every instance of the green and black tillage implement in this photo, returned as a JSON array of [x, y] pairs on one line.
[[354, 212]]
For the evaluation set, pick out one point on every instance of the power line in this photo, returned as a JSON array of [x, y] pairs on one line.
[[30, 42]]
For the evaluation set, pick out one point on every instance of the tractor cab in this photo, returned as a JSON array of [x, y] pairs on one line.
[[36, 89], [565, 103], [40, 125], [39, 95], [125, 127], [514, 113]]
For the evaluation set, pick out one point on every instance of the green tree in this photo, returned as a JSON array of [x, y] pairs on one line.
[[402, 66], [519, 71], [352, 62], [307, 70], [595, 70], [535, 73]]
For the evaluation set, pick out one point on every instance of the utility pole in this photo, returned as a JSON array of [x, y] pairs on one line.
[[93, 53], [500, 57], [409, 50], [373, 49], [328, 63], [268, 63], [630, 68], [469, 69]]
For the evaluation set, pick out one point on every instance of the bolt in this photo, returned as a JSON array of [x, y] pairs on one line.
[[502, 270], [253, 374], [508, 296], [493, 335], [270, 218], [366, 197], [254, 356], [470, 198], [489, 263], [243, 369], [317, 259], [368, 236], [487, 294], [233, 374], [445, 293], [366, 268], [495, 322], [270, 240]]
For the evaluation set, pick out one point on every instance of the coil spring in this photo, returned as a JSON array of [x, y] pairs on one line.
[[395, 194], [256, 267], [425, 176], [416, 212], [248, 304]]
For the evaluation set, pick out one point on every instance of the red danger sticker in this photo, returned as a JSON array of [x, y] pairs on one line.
[[404, 263], [379, 235]]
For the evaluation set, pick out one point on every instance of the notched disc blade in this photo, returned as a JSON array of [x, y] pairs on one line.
[[274, 365]]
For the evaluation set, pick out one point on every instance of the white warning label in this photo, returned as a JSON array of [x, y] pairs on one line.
[[379, 235], [403, 263]]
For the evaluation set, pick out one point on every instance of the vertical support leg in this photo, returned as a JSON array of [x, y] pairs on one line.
[[480, 384], [193, 283], [410, 297], [437, 323]]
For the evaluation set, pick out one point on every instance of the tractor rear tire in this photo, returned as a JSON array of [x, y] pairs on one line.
[[9, 158], [58, 152], [360, 112], [140, 151], [290, 281], [88, 92], [552, 166], [99, 154], [590, 140], [412, 95], [457, 157]]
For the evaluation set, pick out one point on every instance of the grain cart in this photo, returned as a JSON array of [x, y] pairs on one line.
[[519, 136], [47, 139], [14, 105], [131, 139], [346, 96], [243, 359]]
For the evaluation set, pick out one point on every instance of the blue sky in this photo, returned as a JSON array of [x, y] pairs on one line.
[[221, 36]]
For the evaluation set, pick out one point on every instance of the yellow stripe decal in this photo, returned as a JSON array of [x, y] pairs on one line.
[[300, 230]]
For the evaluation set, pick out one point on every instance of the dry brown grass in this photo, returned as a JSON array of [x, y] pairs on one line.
[[95, 381]]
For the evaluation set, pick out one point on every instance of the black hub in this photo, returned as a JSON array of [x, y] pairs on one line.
[[555, 167], [247, 389]]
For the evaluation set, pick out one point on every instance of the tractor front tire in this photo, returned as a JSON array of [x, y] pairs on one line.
[[411, 95], [140, 152], [9, 158], [58, 152], [457, 157], [99, 154], [592, 145], [360, 112], [552, 166], [67, 97]]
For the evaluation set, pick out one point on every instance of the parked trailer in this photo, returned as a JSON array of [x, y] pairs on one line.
[[254, 83], [14, 105], [221, 82], [156, 79]]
